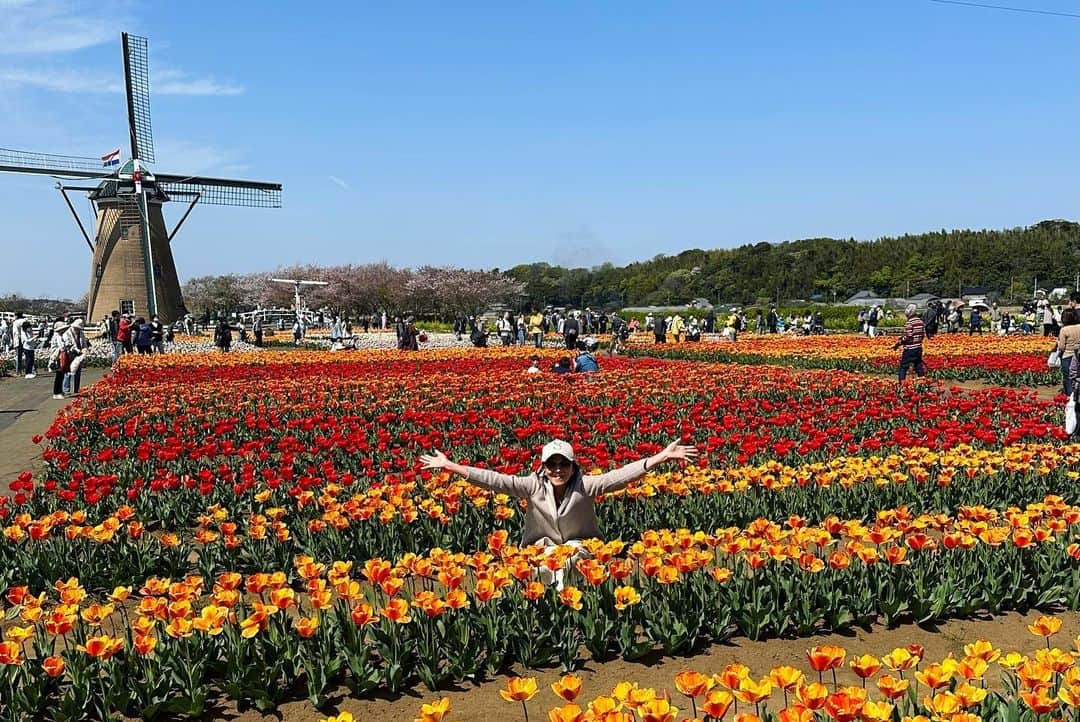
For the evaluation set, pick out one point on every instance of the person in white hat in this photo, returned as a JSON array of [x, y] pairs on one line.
[[561, 508], [60, 355], [75, 339]]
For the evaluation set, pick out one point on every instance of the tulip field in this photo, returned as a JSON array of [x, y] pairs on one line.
[[252, 529], [1001, 360]]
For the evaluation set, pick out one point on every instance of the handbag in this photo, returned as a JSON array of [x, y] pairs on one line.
[[1070, 415], [1054, 359]]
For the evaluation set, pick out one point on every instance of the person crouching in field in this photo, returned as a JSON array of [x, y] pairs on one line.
[[561, 509]]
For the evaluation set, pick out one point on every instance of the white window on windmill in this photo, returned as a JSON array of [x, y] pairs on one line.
[[127, 306]]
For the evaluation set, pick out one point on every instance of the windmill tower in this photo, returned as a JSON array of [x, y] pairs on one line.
[[133, 268]]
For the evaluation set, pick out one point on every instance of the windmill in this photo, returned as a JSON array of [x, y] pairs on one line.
[[133, 269], [297, 285]]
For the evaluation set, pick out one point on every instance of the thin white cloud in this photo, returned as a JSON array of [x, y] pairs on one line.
[[52, 26], [337, 181], [61, 80]]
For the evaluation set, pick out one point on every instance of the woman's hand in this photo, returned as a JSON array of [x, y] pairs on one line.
[[675, 450], [437, 460]]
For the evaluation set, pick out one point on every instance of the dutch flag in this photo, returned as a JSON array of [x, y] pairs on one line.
[[110, 159]]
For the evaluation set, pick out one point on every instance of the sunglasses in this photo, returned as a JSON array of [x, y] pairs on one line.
[[555, 465]]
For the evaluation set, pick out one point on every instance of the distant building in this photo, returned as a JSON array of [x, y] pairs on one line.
[[866, 298], [923, 299]]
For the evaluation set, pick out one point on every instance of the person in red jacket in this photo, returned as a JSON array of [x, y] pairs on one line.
[[124, 332]]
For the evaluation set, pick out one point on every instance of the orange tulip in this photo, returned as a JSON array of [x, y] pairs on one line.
[[692, 684], [1039, 701], [983, 650], [144, 644], [733, 674], [434, 712], [865, 666], [53, 666], [657, 710], [571, 597], [813, 695], [844, 706], [566, 713], [626, 597], [519, 689], [892, 687], [717, 702], [568, 687], [787, 678], [825, 657], [10, 653], [942, 704], [796, 713], [877, 711], [102, 648], [753, 692], [307, 626], [397, 611], [1045, 626], [935, 676]]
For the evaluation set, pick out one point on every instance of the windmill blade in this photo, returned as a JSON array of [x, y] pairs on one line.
[[71, 166], [137, 84], [222, 191]]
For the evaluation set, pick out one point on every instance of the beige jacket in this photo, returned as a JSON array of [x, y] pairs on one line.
[[1068, 340], [546, 523]]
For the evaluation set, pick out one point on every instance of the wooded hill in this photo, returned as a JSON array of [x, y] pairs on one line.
[[1007, 261]]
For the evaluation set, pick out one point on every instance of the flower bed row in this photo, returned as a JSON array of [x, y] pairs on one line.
[[899, 685], [1008, 361], [217, 431], [331, 522], [445, 617]]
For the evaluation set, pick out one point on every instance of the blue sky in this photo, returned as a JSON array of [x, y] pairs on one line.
[[491, 134]]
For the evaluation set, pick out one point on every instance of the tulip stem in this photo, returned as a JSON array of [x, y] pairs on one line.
[[525, 709]]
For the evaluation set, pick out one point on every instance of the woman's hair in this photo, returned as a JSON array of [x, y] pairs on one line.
[[1070, 317], [564, 362]]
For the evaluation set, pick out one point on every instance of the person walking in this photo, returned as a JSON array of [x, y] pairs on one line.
[[505, 328], [659, 327], [60, 357], [772, 320], [872, 319], [223, 336], [16, 343], [561, 508], [1068, 342], [975, 322], [912, 342], [28, 343], [410, 336], [570, 330], [257, 329], [678, 327], [157, 335], [143, 336], [79, 345], [536, 328]]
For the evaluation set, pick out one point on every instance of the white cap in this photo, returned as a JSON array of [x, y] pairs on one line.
[[558, 447], [59, 326]]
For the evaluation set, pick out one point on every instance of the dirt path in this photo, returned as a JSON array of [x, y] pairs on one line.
[[482, 703], [26, 409]]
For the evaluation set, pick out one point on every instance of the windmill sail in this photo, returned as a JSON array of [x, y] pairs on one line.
[[72, 166], [221, 191], [137, 85]]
